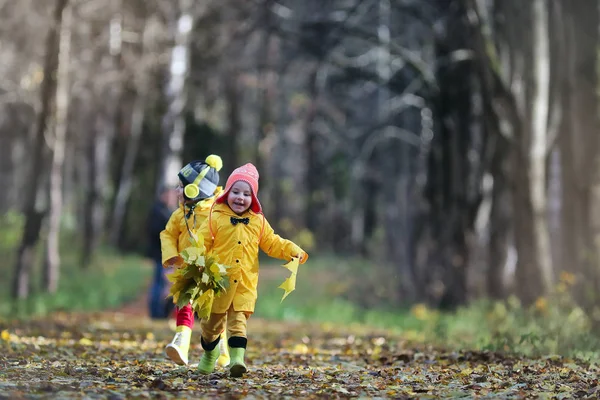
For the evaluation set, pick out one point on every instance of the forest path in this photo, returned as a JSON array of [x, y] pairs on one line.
[[119, 355]]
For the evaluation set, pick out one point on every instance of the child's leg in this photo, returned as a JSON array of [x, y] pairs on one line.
[[237, 323], [224, 349], [212, 329], [179, 347], [185, 316]]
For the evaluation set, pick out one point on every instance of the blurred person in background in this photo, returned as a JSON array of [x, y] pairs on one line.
[[160, 307]]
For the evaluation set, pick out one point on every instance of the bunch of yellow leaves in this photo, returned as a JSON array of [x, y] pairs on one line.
[[198, 281]]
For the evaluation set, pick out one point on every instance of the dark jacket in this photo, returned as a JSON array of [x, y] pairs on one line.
[[157, 220]]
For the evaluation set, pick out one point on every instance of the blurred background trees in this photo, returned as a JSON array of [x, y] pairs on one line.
[[454, 144]]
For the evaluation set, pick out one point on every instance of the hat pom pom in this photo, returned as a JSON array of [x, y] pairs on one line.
[[214, 161]]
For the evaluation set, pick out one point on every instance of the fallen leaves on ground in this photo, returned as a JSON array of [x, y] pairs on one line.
[[119, 356]]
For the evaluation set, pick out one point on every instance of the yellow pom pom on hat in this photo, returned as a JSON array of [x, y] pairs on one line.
[[201, 178], [214, 161]]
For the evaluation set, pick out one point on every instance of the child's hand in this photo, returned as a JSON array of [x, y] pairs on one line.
[[173, 262], [301, 256]]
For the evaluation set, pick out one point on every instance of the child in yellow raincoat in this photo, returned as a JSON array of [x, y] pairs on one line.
[[197, 191], [234, 231]]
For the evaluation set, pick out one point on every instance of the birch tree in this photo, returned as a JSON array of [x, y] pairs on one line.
[[52, 262], [539, 146], [173, 123], [517, 75]]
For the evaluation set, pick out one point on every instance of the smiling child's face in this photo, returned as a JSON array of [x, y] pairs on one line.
[[239, 198]]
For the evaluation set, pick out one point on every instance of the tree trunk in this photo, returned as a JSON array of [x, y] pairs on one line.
[[558, 72], [453, 184], [528, 279], [500, 221], [131, 152], [265, 113], [99, 157], [310, 144], [91, 199], [126, 178], [69, 187], [15, 136], [52, 261], [233, 98], [279, 154], [99, 143], [33, 216], [580, 153], [173, 123], [526, 70], [519, 80], [539, 142], [500, 122]]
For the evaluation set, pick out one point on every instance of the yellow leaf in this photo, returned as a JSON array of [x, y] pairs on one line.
[[193, 254], [222, 269], [203, 303], [205, 278], [541, 304], [466, 372], [204, 310], [300, 348], [565, 373], [5, 335], [178, 381], [376, 351], [567, 278], [215, 268], [208, 261], [420, 311], [292, 265], [85, 342], [174, 276], [179, 286], [289, 285], [481, 369]]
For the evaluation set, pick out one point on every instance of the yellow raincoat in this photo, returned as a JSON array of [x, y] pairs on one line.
[[175, 237], [236, 246]]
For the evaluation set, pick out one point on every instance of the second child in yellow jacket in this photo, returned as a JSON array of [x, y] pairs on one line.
[[197, 190], [234, 232]]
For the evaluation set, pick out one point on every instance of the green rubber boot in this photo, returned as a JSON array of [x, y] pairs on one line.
[[209, 359], [237, 367]]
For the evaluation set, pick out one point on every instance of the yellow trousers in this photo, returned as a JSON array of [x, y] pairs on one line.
[[214, 325]]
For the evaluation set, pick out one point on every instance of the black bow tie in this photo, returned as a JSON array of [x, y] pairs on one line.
[[234, 220]]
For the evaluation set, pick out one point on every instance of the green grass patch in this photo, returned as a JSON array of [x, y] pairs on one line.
[[333, 291], [110, 281]]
